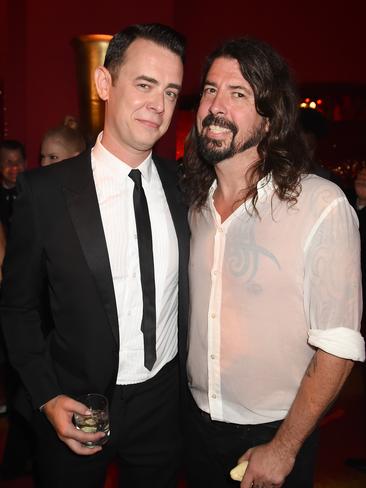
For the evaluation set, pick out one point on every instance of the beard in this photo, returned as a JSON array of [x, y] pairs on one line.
[[214, 151]]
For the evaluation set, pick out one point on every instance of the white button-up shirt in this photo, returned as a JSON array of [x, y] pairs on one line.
[[115, 197], [265, 293]]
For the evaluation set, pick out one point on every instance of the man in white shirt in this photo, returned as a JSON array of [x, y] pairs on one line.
[[107, 235], [274, 279]]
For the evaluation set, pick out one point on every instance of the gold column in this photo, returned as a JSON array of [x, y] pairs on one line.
[[90, 52]]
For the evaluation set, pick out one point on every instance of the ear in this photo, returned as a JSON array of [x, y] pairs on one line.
[[103, 82]]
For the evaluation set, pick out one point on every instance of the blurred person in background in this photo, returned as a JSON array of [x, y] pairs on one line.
[[12, 163], [17, 454], [62, 142], [314, 127], [358, 199]]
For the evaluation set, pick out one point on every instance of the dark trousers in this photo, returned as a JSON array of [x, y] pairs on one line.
[[145, 439], [213, 449]]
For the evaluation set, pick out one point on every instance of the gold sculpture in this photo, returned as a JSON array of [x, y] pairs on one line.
[[90, 52]]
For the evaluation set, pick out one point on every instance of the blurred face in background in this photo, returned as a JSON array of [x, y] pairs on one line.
[[11, 164], [53, 150], [360, 186]]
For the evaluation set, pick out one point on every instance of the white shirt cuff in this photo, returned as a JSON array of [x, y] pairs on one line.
[[340, 341]]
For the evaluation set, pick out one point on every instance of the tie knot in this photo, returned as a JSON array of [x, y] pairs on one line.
[[135, 175]]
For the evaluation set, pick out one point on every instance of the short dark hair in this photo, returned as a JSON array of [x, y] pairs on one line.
[[160, 34], [282, 151], [13, 145]]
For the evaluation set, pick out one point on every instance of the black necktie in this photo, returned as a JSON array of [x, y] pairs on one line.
[[148, 324]]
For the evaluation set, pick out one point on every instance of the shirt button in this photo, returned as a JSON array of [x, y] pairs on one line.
[[213, 395], [213, 356], [133, 275], [215, 272], [213, 315], [220, 229]]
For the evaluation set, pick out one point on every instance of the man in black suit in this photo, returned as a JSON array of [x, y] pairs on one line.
[[77, 230]]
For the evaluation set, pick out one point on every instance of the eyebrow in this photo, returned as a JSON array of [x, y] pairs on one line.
[[211, 83], [153, 81], [232, 87]]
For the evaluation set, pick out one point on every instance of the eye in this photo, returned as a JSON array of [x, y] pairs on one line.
[[209, 90], [238, 95], [172, 95], [143, 86]]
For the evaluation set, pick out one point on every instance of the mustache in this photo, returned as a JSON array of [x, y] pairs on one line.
[[211, 119]]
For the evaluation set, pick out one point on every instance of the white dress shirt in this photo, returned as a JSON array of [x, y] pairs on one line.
[[115, 197], [265, 293]]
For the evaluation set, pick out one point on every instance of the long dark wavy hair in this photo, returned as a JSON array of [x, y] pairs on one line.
[[282, 151]]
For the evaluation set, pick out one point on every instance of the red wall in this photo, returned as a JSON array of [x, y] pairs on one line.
[[40, 75], [321, 41]]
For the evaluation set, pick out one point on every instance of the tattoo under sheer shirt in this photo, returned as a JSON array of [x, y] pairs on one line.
[[266, 292]]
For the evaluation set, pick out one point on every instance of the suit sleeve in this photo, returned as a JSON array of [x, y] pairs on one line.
[[23, 278]]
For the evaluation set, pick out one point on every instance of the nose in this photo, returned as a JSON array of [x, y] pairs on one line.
[[14, 166], [217, 106], [156, 102]]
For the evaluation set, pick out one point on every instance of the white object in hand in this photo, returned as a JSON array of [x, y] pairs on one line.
[[238, 472]]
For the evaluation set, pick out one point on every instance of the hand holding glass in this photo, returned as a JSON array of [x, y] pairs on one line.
[[97, 421]]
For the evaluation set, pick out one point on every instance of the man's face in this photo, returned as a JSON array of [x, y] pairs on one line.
[[140, 104], [11, 164], [227, 120]]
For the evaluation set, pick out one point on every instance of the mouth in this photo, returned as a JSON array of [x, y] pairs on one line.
[[216, 127], [218, 130], [150, 124]]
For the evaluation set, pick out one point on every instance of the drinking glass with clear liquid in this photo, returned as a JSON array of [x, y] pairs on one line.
[[97, 421]]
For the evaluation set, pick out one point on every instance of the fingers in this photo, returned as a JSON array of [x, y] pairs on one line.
[[77, 440], [245, 456], [69, 431], [73, 406], [80, 449], [247, 482], [60, 411]]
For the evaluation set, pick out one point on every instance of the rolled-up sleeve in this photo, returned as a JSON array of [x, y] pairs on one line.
[[332, 282]]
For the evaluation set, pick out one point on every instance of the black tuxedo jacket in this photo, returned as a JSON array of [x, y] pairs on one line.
[[57, 243]]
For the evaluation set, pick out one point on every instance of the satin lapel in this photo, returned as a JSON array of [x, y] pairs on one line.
[[179, 215], [82, 202], [177, 209]]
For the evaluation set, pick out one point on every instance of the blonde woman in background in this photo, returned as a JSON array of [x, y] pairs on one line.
[[62, 142]]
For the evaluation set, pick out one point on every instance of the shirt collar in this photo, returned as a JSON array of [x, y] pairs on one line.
[[265, 187], [101, 156]]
